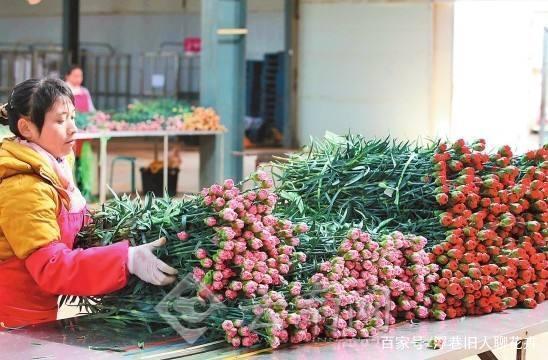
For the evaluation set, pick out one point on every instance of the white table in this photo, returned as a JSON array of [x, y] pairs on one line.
[[475, 335], [165, 134]]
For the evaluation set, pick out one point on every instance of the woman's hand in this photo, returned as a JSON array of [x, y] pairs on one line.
[[146, 266]]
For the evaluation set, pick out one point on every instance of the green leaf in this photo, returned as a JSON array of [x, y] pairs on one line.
[[208, 278]]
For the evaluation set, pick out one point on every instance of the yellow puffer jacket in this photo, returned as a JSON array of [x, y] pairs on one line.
[[32, 195]]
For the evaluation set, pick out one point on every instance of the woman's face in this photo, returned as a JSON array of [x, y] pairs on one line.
[[75, 77], [57, 135]]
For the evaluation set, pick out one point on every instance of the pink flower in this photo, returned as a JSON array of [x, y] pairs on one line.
[[271, 200], [353, 234], [267, 279], [294, 241], [421, 312], [246, 275], [363, 333], [345, 246], [283, 268], [252, 210], [261, 256], [301, 228], [262, 209], [262, 194], [230, 194], [208, 200], [240, 247], [256, 227], [201, 253], [269, 220], [439, 298], [226, 255], [235, 285], [227, 325], [216, 189], [250, 287], [438, 315], [230, 294], [219, 202], [228, 273], [295, 288], [183, 235], [206, 263], [261, 266], [256, 244], [228, 184], [299, 257], [247, 341], [325, 266], [239, 224], [198, 274], [349, 333], [262, 289], [210, 221], [217, 276], [238, 259], [260, 175], [228, 214], [257, 276], [236, 342], [226, 233], [274, 342], [351, 255]]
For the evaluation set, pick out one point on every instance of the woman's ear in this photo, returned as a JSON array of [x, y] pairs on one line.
[[26, 128]]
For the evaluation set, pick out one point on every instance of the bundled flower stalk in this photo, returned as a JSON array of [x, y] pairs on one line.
[[376, 183]]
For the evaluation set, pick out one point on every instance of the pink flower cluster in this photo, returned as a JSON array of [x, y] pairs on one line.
[[101, 121], [252, 249], [239, 335], [405, 268], [352, 295]]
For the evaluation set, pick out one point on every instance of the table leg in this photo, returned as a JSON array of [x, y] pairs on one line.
[[166, 149], [487, 355], [103, 163], [521, 349]]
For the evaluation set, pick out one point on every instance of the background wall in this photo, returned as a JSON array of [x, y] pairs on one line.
[[365, 67]]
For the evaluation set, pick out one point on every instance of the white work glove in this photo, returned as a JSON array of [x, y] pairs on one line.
[[146, 266]]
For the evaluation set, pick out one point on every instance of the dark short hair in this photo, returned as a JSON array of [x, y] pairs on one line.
[[32, 99], [72, 68]]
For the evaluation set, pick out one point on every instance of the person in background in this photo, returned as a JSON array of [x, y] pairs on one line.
[[42, 211], [82, 104], [82, 99]]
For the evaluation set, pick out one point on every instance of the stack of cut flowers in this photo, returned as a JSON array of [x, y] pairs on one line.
[[329, 253], [254, 262], [485, 214]]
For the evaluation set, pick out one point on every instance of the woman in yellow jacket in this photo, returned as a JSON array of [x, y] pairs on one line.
[[41, 211]]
